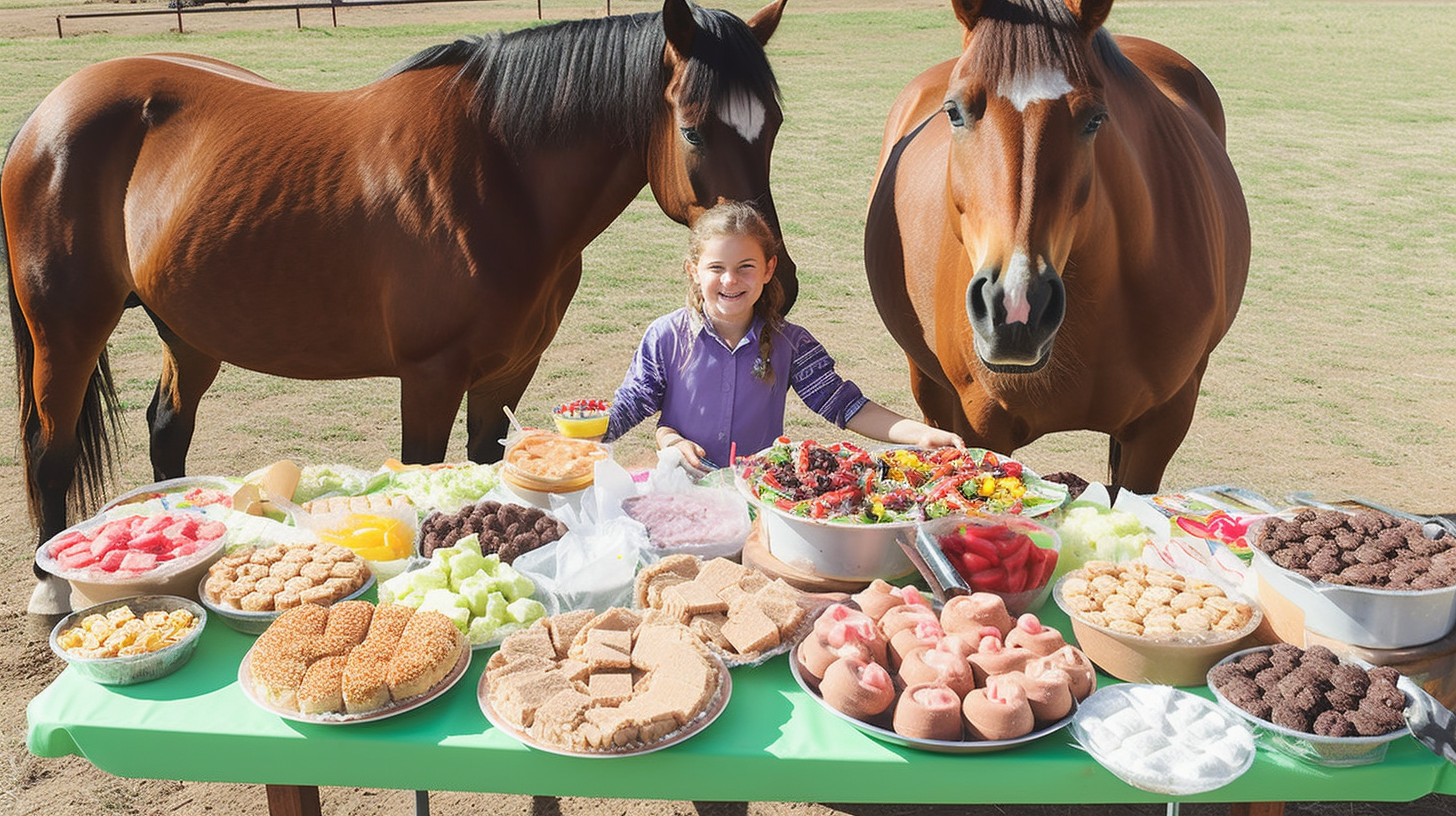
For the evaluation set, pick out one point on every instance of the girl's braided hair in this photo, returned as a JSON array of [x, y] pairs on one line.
[[741, 218]]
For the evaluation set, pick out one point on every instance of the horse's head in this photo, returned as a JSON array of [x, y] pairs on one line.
[[1024, 106], [715, 131]]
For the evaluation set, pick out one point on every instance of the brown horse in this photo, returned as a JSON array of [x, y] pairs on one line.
[[428, 226], [1056, 236]]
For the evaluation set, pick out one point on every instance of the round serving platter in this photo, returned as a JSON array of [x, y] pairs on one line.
[[702, 721], [939, 746], [245, 680]]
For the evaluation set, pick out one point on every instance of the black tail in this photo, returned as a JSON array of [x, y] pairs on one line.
[[95, 427], [1114, 465]]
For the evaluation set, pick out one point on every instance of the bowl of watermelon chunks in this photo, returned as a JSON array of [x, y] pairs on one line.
[[1011, 556], [116, 555]]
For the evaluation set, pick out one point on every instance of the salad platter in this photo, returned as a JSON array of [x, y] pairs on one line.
[[843, 483]]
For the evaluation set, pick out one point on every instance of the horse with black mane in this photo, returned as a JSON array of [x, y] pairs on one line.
[[1056, 237], [427, 226]]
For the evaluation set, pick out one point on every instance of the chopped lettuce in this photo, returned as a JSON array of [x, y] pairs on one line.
[[1091, 532]]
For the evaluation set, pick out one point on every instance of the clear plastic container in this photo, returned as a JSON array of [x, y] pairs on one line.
[[1335, 752], [1163, 740], [545, 462], [130, 669], [93, 584], [949, 578]]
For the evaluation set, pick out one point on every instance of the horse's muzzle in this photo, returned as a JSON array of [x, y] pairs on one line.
[[1014, 330]]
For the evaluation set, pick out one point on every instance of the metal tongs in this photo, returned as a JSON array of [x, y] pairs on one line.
[[1433, 526], [945, 582]]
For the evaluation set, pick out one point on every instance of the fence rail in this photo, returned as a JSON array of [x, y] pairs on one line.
[[297, 7]]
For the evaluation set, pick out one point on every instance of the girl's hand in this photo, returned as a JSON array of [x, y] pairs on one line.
[[692, 452], [878, 422], [938, 438]]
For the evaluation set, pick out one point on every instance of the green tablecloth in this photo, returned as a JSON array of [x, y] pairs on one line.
[[773, 743]]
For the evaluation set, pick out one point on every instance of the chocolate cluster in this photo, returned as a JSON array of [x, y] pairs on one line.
[[1312, 691], [505, 529], [1366, 549], [1074, 484]]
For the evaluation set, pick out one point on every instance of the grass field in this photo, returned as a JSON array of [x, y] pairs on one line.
[[1337, 377]]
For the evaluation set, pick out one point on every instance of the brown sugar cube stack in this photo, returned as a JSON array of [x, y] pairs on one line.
[[607, 682], [737, 611]]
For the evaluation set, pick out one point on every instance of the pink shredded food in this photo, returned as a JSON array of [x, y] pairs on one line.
[[686, 519]]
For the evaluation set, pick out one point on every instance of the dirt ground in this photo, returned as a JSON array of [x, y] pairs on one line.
[[71, 786]]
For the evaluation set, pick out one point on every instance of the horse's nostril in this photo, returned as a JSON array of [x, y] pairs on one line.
[[976, 298], [1049, 304], [1057, 309]]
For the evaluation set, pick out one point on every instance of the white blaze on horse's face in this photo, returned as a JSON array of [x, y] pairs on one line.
[[1043, 84], [743, 112], [1014, 285]]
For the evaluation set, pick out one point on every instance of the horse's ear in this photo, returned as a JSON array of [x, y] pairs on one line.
[[1090, 14], [677, 21], [968, 12], [766, 21]]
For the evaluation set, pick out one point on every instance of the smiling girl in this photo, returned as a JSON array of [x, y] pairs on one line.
[[719, 369]]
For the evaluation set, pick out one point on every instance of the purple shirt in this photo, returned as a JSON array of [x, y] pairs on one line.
[[708, 393]]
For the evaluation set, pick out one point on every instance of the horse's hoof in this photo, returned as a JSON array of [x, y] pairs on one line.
[[52, 596]]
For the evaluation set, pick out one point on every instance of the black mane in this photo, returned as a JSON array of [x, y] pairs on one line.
[[604, 77]]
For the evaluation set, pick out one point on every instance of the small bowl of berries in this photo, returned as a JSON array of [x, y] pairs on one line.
[[583, 418], [1011, 556]]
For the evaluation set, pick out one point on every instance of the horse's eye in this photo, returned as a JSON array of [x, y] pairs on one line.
[[953, 112], [1097, 121], [693, 136]]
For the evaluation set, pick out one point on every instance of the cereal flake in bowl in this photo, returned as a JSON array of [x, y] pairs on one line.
[[130, 640], [250, 588], [1145, 625]]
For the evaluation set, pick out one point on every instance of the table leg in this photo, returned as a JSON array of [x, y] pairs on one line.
[[1256, 809], [293, 800]]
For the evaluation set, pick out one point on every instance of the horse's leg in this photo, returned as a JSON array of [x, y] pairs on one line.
[[981, 423], [940, 405], [485, 422], [186, 375], [1149, 442], [66, 432], [429, 399]]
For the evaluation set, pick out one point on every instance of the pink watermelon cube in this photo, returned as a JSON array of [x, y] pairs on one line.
[[211, 529], [160, 522], [73, 549], [65, 541], [76, 558], [153, 542], [138, 561], [184, 529], [103, 544], [113, 559], [185, 550]]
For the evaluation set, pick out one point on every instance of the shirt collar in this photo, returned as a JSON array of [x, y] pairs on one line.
[[699, 323]]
